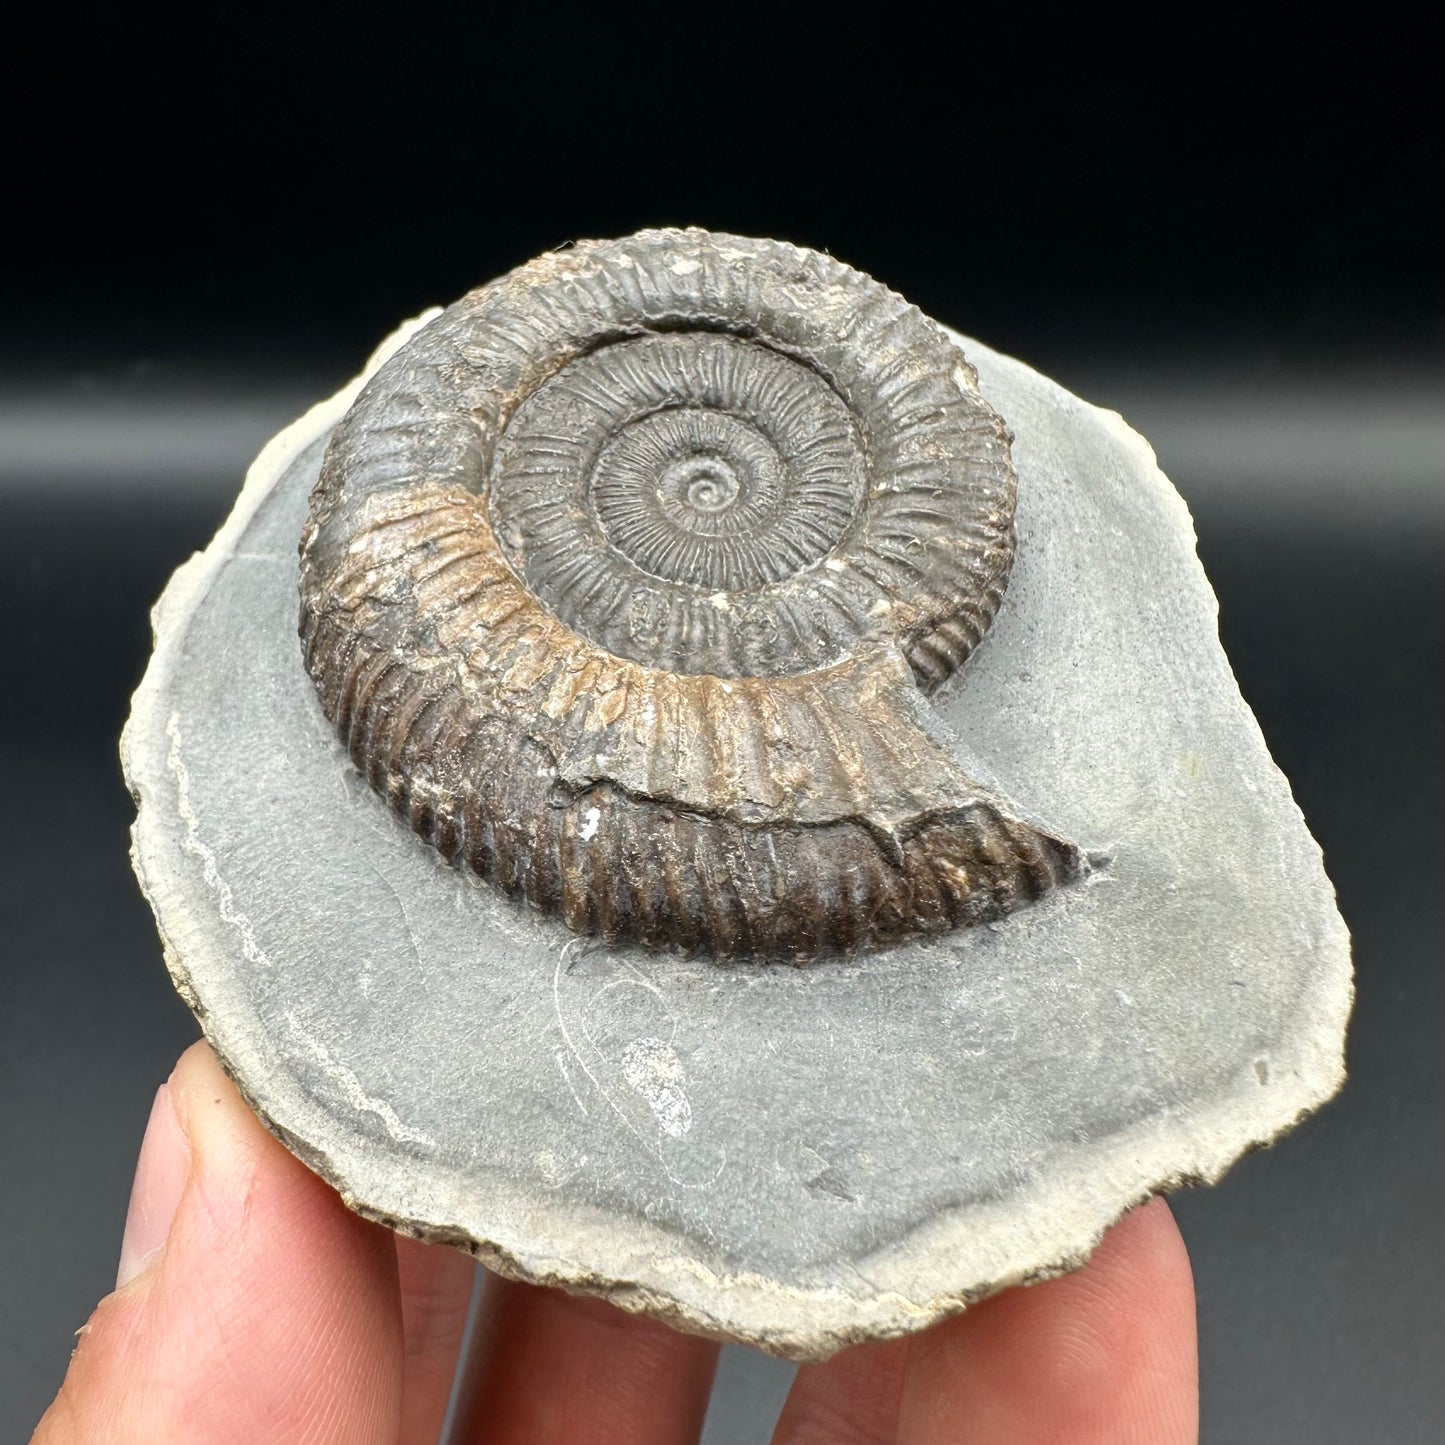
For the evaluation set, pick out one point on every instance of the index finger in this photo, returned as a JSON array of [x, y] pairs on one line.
[[1106, 1354]]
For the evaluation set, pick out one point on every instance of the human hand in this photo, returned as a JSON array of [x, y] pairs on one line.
[[254, 1308]]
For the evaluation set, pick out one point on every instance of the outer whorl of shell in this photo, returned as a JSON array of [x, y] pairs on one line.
[[624, 579]]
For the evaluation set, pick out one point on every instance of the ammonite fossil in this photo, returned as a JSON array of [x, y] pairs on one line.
[[625, 582]]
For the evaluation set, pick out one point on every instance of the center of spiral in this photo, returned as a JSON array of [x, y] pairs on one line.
[[672, 498], [707, 485], [685, 491]]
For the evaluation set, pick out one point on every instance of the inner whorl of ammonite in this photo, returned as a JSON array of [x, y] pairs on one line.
[[667, 497], [625, 580]]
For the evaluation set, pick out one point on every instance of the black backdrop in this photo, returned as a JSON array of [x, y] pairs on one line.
[[1226, 226], [215, 185]]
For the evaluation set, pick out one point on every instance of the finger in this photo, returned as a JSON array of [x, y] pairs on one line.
[[550, 1366], [253, 1307], [1106, 1354], [436, 1293], [852, 1399]]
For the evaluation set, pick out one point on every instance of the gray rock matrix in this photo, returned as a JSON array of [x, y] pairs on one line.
[[795, 1157]]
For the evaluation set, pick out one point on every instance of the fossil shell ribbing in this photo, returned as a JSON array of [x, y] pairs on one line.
[[625, 577]]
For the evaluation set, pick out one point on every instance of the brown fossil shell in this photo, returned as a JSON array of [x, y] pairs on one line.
[[624, 580]]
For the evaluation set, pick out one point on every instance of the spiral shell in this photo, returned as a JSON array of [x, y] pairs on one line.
[[624, 580]]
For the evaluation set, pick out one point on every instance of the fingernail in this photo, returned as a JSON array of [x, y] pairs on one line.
[[160, 1179]]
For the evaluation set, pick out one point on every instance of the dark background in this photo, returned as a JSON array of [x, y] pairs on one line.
[[1223, 226]]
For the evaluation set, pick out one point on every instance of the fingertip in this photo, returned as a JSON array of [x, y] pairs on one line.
[[219, 1125], [1106, 1353], [610, 1376], [1148, 1237], [160, 1180], [267, 1307]]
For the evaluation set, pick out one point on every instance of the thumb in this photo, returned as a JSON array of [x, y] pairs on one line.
[[251, 1306]]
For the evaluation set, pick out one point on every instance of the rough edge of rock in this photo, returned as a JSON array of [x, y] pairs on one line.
[[800, 1324]]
